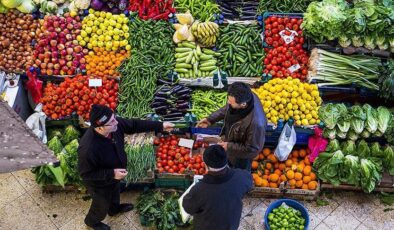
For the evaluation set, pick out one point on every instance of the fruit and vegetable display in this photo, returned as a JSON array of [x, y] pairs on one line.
[[365, 23], [241, 50], [152, 57], [386, 81], [204, 103], [102, 63], [74, 95], [356, 122], [17, 31], [290, 98], [283, 6], [192, 61], [203, 10], [57, 51], [296, 171], [242, 10], [171, 102], [64, 144], [154, 9], [111, 6], [172, 158], [285, 217], [24, 6], [205, 33], [104, 30]]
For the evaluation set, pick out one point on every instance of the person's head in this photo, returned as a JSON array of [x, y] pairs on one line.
[[215, 158], [103, 119], [239, 95]]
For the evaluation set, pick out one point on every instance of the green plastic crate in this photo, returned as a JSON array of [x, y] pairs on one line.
[[177, 183]]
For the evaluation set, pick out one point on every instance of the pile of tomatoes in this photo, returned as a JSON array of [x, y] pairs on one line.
[[172, 158], [75, 95], [285, 59]]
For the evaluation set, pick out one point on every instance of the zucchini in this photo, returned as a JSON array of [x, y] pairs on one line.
[[183, 50], [181, 70]]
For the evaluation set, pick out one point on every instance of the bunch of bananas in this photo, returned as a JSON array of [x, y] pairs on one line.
[[206, 33]]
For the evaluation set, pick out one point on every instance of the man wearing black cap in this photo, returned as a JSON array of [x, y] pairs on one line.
[[102, 161], [216, 201], [243, 132]]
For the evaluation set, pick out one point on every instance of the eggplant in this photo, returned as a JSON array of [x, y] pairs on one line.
[[163, 82], [162, 94], [175, 114], [183, 92], [164, 107], [156, 104], [161, 99], [183, 106]]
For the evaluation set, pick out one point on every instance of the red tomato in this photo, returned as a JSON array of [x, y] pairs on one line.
[[170, 163]]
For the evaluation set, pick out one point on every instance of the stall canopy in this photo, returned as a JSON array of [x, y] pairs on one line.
[[19, 147]]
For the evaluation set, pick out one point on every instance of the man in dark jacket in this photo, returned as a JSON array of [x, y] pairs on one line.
[[216, 201], [102, 161], [244, 127]]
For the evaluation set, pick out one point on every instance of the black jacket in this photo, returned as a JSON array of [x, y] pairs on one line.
[[216, 201], [98, 156]]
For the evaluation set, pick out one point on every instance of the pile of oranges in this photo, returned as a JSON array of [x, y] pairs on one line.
[[102, 63], [296, 171]]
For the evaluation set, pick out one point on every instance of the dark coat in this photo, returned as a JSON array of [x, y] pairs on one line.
[[216, 201], [98, 156]]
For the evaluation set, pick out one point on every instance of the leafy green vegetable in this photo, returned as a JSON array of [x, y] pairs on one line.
[[70, 133], [70, 160], [352, 135], [330, 113], [388, 164], [333, 146], [51, 133], [49, 175], [370, 175], [376, 151], [371, 123], [351, 170], [344, 121], [358, 118], [349, 147], [329, 133], [386, 79], [331, 170], [363, 150], [384, 117], [55, 145]]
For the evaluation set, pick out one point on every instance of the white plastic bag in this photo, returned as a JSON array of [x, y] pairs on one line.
[[36, 122], [286, 142]]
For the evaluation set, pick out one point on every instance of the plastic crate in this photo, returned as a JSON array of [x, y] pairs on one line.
[[281, 15], [70, 120], [208, 131], [178, 183]]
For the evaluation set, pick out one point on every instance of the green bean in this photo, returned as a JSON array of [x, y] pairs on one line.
[[200, 9]]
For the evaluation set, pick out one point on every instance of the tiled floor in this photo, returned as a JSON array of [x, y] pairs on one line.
[[24, 206]]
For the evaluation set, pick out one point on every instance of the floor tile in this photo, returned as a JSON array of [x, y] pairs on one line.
[[322, 226], [4, 176], [76, 223], [320, 212], [24, 213], [10, 190], [256, 216], [26, 178], [314, 221], [341, 219], [245, 225], [379, 219], [249, 204], [362, 227], [120, 223]]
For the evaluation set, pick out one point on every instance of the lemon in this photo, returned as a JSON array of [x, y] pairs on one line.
[[125, 20], [268, 115], [94, 43], [126, 35], [281, 106], [287, 117], [289, 89], [284, 101], [294, 94], [298, 122], [91, 53], [273, 103], [90, 46], [123, 43], [312, 121], [295, 107], [103, 14], [315, 93], [100, 20], [97, 13], [289, 106], [99, 32], [290, 113], [314, 114], [308, 116], [274, 120], [281, 116], [91, 11], [108, 15], [108, 38], [296, 117], [294, 101], [82, 43], [114, 48], [101, 38], [302, 107], [304, 122], [128, 47], [274, 112], [86, 39], [302, 116]]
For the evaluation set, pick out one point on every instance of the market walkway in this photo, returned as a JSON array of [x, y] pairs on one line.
[[24, 206]]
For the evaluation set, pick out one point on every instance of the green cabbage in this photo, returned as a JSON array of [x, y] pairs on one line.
[[11, 3], [351, 170], [352, 135], [344, 41], [333, 146], [349, 147], [344, 122], [365, 134], [71, 162], [384, 118], [55, 145], [371, 123], [358, 118], [369, 42], [363, 150], [330, 113], [72, 147], [70, 133], [370, 174]]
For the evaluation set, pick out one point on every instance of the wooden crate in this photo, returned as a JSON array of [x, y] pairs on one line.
[[302, 194], [266, 192], [284, 191]]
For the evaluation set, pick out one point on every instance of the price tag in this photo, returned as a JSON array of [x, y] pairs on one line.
[[262, 36], [95, 82], [188, 143], [294, 68], [286, 37]]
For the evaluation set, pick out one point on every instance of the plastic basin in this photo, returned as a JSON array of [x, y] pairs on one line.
[[291, 203]]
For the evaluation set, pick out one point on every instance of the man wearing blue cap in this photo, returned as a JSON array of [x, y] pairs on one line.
[[102, 161], [216, 201]]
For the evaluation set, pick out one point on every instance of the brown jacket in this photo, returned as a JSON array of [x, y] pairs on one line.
[[246, 137]]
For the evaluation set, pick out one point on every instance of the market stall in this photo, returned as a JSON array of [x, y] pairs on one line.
[[324, 68]]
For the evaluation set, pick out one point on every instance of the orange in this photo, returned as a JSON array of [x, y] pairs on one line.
[[288, 162], [306, 179], [261, 156], [265, 177], [290, 174], [266, 151], [272, 158], [267, 172], [282, 166], [255, 165], [265, 183], [307, 161], [273, 177], [259, 182], [292, 182], [283, 178], [295, 160], [307, 170], [300, 167], [297, 176], [255, 175], [292, 187], [278, 172], [295, 153], [268, 166], [302, 153], [304, 186], [276, 165], [313, 176], [312, 185], [299, 184], [259, 172], [273, 185]]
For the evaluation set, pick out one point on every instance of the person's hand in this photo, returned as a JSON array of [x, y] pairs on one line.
[[120, 174], [204, 123], [223, 144], [168, 126]]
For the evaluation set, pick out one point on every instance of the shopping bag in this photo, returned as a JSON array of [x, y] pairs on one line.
[[286, 142], [36, 122]]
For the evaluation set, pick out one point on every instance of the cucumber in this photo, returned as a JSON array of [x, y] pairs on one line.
[[181, 55], [210, 63], [189, 57], [208, 68], [181, 60], [183, 65], [189, 45], [181, 70], [198, 50], [183, 50], [205, 57]]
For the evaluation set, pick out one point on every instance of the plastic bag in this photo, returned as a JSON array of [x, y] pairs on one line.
[[36, 122], [317, 144], [286, 142]]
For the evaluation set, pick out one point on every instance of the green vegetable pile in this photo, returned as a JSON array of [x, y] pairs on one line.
[[241, 49], [153, 58], [159, 209], [202, 10], [355, 122], [367, 23], [285, 217], [386, 81], [64, 143], [283, 6], [206, 102]]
